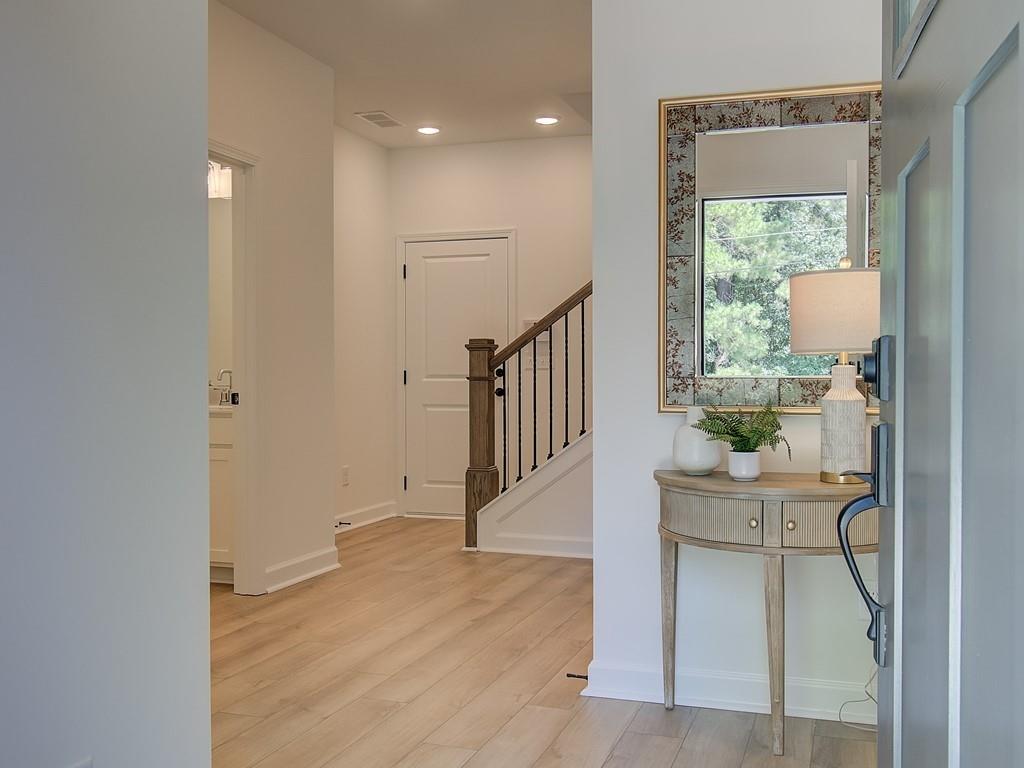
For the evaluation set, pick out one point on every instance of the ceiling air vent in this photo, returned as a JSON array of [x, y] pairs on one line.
[[380, 119]]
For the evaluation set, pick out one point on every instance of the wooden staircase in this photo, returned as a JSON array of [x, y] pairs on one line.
[[556, 343]]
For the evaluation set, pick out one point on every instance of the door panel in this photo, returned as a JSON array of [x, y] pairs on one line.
[[455, 290], [991, 530], [953, 291], [445, 426]]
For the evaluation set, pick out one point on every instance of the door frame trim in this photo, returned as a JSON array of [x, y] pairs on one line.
[[248, 570], [401, 241]]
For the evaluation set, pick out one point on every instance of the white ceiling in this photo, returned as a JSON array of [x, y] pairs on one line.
[[481, 70]]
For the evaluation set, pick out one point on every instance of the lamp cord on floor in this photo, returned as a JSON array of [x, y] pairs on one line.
[[869, 697]]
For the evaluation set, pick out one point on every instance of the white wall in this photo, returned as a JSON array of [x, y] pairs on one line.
[[219, 238], [364, 296], [542, 187], [103, 456], [642, 52], [270, 100]]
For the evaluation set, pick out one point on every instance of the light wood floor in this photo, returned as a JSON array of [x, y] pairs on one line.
[[416, 654]]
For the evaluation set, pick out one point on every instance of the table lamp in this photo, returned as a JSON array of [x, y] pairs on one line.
[[837, 311]]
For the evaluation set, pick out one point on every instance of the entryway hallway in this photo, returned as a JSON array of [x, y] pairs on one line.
[[417, 654]]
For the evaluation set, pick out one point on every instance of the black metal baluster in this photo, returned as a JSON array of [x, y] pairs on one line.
[[502, 392], [566, 443], [551, 391], [583, 366], [519, 410], [533, 404]]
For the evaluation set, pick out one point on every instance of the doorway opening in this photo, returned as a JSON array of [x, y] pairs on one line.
[[230, 389]]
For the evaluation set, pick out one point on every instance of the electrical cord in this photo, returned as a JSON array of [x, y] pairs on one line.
[[870, 697]]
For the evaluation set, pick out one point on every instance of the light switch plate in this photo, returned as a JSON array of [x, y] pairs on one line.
[[345, 474]]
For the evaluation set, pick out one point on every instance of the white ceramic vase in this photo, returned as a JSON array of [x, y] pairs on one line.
[[692, 452], [744, 466]]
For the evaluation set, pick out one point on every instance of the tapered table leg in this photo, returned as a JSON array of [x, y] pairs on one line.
[[669, 570], [775, 613]]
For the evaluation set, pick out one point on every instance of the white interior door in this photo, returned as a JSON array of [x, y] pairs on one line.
[[454, 290], [954, 281]]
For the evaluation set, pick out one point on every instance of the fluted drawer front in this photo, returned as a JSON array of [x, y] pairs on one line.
[[813, 524], [711, 518]]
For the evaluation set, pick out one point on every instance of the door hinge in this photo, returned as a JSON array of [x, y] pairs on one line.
[[404, 274], [405, 482], [405, 376]]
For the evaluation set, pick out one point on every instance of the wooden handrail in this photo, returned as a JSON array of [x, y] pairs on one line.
[[541, 325], [482, 476]]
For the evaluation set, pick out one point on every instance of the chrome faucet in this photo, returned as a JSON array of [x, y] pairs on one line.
[[225, 392]]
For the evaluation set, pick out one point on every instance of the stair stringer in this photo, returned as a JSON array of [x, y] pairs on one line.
[[549, 512]]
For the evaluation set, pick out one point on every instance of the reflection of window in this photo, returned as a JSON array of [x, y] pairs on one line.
[[750, 248]]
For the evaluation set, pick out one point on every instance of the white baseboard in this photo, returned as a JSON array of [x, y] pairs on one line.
[[714, 689], [357, 518], [435, 515], [583, 552], [281, 575], [222, 574]]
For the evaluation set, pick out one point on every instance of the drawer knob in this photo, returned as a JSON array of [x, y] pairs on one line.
[[753, 522], [791, 525]]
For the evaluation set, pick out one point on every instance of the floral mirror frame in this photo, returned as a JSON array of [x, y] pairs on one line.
[[680, 382]]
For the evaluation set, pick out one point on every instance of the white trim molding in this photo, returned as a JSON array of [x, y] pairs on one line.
[[289, 572], [357, 518], [737, 691], [222, 573], [231, 153]]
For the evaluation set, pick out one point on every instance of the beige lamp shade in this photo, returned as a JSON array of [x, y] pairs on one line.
[[834, 310]]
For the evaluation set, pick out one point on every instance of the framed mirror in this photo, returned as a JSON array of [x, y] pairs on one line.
[[752, 189]]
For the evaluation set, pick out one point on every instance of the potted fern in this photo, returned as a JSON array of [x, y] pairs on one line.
[[745, 434]]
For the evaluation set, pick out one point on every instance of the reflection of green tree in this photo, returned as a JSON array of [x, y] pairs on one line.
[[751, 247]]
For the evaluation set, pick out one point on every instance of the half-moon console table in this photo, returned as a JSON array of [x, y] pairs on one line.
[[776, 516]]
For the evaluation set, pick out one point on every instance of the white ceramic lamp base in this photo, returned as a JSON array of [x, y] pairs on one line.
[[843, 427]]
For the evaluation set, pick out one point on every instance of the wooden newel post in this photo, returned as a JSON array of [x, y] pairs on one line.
[[482, 474]]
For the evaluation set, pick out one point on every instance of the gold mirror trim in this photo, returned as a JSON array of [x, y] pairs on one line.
[[790, 93], [663, 106]]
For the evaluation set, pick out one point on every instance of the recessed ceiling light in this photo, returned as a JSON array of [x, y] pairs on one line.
[[546, 120], [429, 130]]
